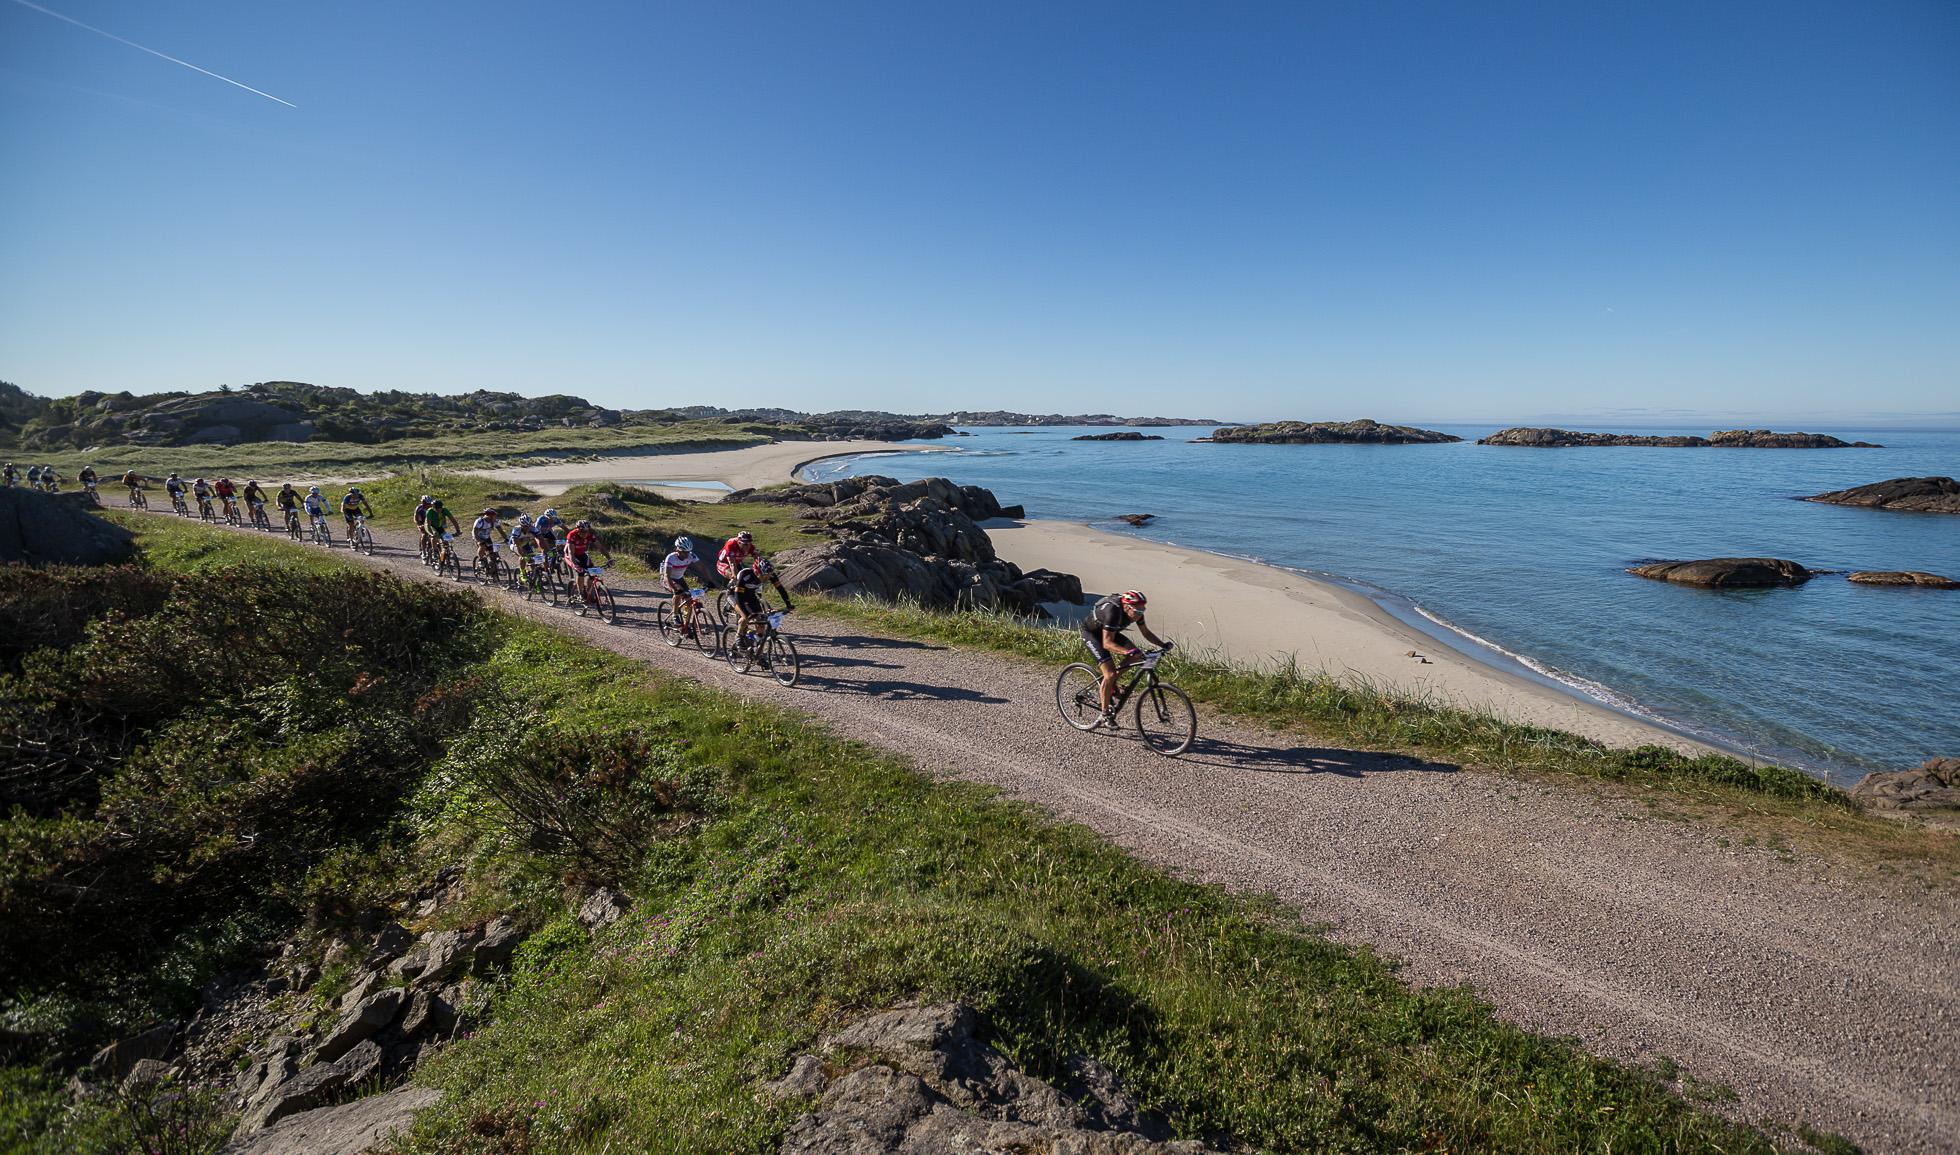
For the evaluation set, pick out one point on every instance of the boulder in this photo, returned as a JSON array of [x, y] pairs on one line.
[[601, 908], [429, 1014], [349, 1129], [1137, 519], [1726, 572], [360, 1064], [147, 1072], [1932, 785], [1904, 578], [1913, 494], [57, 529], [493, 950], [449, 953], [362, 1023], [1362, 432], [390, 942], [313, 1087], [114, 1062], [930, 1085]]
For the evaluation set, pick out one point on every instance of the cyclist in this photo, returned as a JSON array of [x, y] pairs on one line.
[[49, 481], [746, 585], [524, 542], [228, 494], [33, 477], [739, 551], [483, 529], [288, 502], [1102, 632], [551, 528], [133, 481], [354, 504], [174, 487], [316, 506], [579, 544], [432, 526], [254, 497], [87, 477], [201, 489], [673, 570], [9, 474], [421, 517]]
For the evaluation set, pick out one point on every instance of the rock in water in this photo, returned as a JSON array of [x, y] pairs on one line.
[[1914, 494], [1137, 519], [1362, 432], [1904, 578], [1765, 439], [1932, 785], [1126, 435], [1726, 572], [1544, 438]]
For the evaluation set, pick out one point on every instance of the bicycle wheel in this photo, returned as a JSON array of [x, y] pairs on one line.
[[365, 542], [741, 658], [1166, 719], [447, 565], [602, 600], [1077, 695], [780, 656], [725, 608]]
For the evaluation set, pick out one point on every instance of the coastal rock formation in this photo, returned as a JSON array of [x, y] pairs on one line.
[[1904, 578], [1137, 519], [57, 529], [909, 542], [1126, 435], [1916, 494], [1362, 432], [1933, 785], [1543, 438], [919, 1080], [1765, 439], [1726, 572]]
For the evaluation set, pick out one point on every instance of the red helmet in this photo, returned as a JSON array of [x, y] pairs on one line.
[[1133, 600]]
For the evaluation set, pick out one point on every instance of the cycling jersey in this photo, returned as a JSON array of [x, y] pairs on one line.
[[201, 490], [421, 514], [524, 540], [316, 505], [354, 503], [674, 568], [85, 476], [130, 479], [255, 495], [222, 489], [734, 555], [483, 527], [173, 486], [289, 499], [550, 527], [1107, 614]]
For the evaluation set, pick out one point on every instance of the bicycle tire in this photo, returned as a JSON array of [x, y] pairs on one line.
[[1077, 695], [780, 655], [447, 566], [602, 600], [366, 544], [1165, 719], [739, 660], [725, 608]]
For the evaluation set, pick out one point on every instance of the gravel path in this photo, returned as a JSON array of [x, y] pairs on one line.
[[1819, 997]]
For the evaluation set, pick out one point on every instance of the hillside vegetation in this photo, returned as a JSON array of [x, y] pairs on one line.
[[253, 774]]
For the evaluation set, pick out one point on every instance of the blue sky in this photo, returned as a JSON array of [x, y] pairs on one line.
[[1233, 210]]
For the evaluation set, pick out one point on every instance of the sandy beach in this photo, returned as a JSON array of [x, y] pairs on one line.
[[748, 468]]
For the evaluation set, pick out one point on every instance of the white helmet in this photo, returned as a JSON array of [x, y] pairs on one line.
[[313, 489], [683, 545]]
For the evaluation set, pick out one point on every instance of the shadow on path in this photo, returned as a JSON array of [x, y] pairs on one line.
[[898, 691]]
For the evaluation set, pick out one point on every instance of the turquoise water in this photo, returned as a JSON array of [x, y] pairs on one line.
[[1525, 549]]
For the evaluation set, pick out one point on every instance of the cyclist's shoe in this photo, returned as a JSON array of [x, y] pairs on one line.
[[1106, 718]]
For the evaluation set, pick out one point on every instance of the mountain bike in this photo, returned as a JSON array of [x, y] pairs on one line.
[[177, 504], [231, 512], [598, 599], [204, 510], [293, 529], [88, 487], [322, 532], [447, 564], [487, 567], [137, 500], [360, 539], [687, 621], [534, 579], [259, 518], [765, 646], [1165, 718]]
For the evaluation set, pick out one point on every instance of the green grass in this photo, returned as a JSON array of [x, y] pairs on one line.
[[186, 545], [819, 879], [276, 461]]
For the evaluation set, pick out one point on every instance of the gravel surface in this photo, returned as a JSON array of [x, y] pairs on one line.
[[1818, 996]]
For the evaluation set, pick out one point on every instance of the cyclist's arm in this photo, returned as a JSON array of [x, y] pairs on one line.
[[1110, 642], [1153, 639]]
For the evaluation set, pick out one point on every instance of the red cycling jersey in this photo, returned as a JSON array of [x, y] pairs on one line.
[[579, 541], [224, 488], [734, 555]]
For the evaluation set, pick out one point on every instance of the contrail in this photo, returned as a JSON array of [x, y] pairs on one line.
[[152, 51]]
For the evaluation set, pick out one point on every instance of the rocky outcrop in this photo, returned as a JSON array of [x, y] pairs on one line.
[[920, 1080], [1904, 578], [1137, 519], [1542, 438], [1126, 435], [57, 529], [1933, 785], [114, 1063], [1765, 439], [1362, 432], [350, 1129], [917, 542], [1726, 572], [1913, 494], [1537, 437]]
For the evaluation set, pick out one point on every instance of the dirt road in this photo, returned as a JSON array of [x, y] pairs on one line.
[[1819, 997]]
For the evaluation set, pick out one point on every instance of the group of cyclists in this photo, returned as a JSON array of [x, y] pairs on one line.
[[536, 541], [43, 477]]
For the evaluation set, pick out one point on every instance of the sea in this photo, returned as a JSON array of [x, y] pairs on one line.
[[1518, 557]]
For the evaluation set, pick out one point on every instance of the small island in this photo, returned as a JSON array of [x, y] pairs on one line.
[[1913, 494], [1727, 572], [1126, 435], [1536, 437], [1362, 432]]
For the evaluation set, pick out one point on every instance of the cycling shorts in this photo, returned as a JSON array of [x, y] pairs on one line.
[[1092, 638], [749, 602], [579, 561], [677, 586]]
